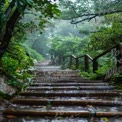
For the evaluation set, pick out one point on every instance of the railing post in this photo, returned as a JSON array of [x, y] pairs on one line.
[[51, 58], [77, 63], [70, 62], [95, 65], [63, 59], [59, 59], [86, 63], [119, 55]]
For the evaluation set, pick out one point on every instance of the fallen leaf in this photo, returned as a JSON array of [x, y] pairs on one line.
[[11, 116]]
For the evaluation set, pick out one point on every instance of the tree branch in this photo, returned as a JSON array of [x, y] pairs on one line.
[[91, 16], [9, 9]]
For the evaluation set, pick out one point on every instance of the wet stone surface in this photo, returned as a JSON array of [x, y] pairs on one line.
[[51, 75], [62, 119]]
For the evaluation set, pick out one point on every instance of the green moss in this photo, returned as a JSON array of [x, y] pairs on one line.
[[4, 95], [117, 80]]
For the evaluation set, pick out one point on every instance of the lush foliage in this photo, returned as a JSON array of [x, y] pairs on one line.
[[15, 64], [104, 33], [85, 10], [18, 18], [17, 57], [65, 46], [38, 42], [33, 53], [107, 36], [116, 80], [12, 11]]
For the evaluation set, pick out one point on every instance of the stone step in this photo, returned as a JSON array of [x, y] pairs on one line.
[[106, 98], [64, 93], [72, 88], [56, 113], [67, 81], [69, 84], [66, 102], [83, 94]]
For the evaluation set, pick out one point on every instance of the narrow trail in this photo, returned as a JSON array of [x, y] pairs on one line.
[[63, 96]]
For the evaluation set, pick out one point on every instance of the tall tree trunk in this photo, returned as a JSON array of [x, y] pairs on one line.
[[10, 25]]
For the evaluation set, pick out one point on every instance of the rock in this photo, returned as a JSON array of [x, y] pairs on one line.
[[6, 88]]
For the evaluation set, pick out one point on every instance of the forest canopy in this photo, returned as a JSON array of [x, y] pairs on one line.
[[12, 11], [85, 10], [33, 29]]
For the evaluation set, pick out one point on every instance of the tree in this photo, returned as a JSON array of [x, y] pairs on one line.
[[40, 44], [12, 12], [16, 58], [108, 35], [85, 10], [65, 46]]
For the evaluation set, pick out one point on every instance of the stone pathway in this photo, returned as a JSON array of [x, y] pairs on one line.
[[63, 96]]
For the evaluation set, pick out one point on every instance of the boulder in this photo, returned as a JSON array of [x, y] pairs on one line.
[[5, 88]]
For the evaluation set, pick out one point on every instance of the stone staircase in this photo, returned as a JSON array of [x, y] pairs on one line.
[[63, 96]]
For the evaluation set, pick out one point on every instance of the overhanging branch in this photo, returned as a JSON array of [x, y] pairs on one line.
[[88, 17]]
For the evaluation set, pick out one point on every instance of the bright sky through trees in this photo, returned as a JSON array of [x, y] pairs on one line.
[[73, 0]]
